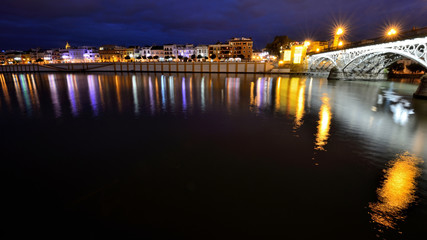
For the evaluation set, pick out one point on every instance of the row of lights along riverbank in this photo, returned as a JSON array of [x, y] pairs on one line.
[[297, 51]]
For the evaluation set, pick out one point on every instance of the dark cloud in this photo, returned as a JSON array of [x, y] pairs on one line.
[[49, 23]]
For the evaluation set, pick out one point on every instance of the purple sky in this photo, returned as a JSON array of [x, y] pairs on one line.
[[50, 23]]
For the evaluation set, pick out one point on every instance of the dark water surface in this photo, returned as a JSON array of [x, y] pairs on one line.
[[211, 157]]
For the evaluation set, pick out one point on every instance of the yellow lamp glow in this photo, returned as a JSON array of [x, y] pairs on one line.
[[307, 43], [391, 32], [398, 190], [340, 31], [340, 43]]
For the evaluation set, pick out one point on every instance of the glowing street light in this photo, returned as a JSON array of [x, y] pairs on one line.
[[307, 43], [392, 32], [337, 37]]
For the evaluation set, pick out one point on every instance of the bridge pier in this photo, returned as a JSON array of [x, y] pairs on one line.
[[422, 88], [338, 74]]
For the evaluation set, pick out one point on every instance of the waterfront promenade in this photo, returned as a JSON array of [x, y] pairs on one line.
[[197, 67]]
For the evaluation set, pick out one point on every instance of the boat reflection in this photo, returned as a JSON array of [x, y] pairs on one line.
[[397, 191]]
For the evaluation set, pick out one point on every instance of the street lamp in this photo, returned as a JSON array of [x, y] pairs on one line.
[[337, 37], [391, 32]]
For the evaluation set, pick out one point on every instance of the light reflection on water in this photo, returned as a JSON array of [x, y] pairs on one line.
[[382, 114], [379, 110], [5, 90], [397, 191], [323, 128]]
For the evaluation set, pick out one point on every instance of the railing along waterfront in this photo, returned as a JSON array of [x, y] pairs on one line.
[[198, 67]]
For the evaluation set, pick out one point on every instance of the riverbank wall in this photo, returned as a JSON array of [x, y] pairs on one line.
[[196, 67]]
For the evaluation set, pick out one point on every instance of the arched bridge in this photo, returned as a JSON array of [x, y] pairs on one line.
[[369, 61]]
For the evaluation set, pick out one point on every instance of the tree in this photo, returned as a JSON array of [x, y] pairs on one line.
[[193, 56], [39, 60], [156, 57], [185, 59], [279, 41], [127, 57], [180, 57], [241, 56], [396, 67], [415, 68], [213, 56], [144, 57]]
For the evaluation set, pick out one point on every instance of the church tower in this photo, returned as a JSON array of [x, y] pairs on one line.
[[67, 46]]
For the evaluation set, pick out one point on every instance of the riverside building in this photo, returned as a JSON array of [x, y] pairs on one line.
[[241, 48], [219, 51], [235, 48], [2, 57], [202, 51], [158, 51], [145, 51], [112, 53]]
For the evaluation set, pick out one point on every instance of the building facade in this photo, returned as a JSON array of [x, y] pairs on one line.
[[112, 53], [171, 50], [2, 57], [241, 48], [202, 50], [158, 51], [219, 51], [186, 51], [13, 56]]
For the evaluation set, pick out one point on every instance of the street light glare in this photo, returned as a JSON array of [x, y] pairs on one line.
[[391, 32], [340, 31]]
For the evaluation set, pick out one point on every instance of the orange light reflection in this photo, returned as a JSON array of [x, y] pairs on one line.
[[323, 128], [300, 105], [397, 191]]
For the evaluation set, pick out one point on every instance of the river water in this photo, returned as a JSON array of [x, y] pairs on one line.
[[199, 156]]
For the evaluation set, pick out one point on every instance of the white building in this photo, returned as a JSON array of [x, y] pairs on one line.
[[80, 54], [171, 50], [185, 50], [145, 51], [202, 50]]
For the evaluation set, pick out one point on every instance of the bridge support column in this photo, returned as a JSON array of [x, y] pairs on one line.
[[422, 88], [338, 74]]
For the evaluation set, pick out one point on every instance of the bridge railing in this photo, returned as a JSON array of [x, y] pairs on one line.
[[414, 33]]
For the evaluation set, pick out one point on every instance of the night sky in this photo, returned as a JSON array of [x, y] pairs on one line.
[[27, 24]]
